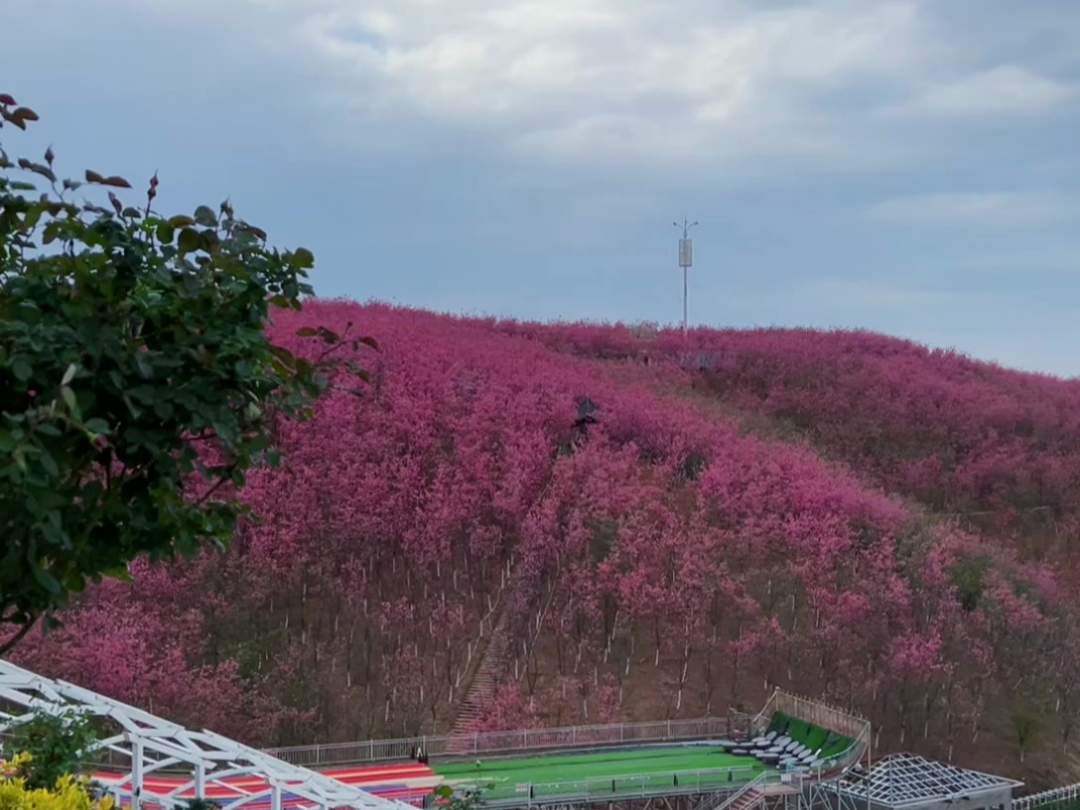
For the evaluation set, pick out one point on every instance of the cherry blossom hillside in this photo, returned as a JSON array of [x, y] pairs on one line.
[[997, 448], [627, 553]]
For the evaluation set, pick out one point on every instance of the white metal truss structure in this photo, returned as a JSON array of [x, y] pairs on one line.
[[147, 746], [1066, 795], [903, 781]]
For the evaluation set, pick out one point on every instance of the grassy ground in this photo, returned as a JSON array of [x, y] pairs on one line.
[[616, 771]]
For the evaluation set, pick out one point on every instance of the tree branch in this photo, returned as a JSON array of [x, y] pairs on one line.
[[10, 644]]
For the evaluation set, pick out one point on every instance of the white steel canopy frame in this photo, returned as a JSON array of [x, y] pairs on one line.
[[148, 745]]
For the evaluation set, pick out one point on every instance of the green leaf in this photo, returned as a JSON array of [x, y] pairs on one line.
[[97, 425], [205, 216], [37, 168], [245, 227], [142, 362], [165, 232], [52, 230], [46, 580], [303, 258], [122, 573], [69, 374], [70, 400], [49, 464], [21, 369], [209, 242], [188, 242]]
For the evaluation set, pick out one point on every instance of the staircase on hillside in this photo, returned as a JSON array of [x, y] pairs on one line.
[[497, 659], [754, 795], [751, 799]]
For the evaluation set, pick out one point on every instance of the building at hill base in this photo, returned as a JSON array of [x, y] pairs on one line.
[[154, 763]]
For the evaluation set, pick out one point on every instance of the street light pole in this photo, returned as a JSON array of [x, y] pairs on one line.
[[686, 259]]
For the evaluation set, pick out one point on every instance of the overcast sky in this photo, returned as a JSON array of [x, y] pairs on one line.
[[911, 167]]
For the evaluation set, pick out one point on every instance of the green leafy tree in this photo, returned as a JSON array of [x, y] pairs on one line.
[[463, 797], [57, 744], [137, 384]]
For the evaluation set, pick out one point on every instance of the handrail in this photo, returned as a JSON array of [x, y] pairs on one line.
[[751, 785], [496, 742], [1065, 793], [489, 743], [597, 788], [842, 760], [762, 718], [819, 713]]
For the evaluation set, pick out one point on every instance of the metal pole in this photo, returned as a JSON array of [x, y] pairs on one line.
[[870, 763], [685, 299], [685, 260]]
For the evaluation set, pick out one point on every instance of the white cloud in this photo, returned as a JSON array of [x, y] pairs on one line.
[[998, 209], [1003, 90], [636, 80], [629, 78]]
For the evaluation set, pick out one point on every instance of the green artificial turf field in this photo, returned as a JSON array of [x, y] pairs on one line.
[[651, 769]]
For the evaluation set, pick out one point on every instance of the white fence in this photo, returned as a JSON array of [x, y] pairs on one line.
[[508, 742], [500, 742], [599, 789], [1067, 795]]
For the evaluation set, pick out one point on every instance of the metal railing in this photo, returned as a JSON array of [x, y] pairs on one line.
[[1066, 795], [713, 801], [831, 767], [766, 783], [754, 784], [509, 742], [764, 717], [818, 713], [601, 789]]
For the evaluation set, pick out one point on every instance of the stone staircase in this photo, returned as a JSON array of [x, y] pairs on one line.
[[498, 656]]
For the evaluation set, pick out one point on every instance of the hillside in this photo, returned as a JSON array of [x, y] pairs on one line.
[[995, 447], [651, 557]]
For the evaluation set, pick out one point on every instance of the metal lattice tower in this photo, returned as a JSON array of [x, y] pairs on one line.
[[147, 745]]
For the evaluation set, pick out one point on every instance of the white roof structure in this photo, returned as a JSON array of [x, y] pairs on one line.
[[906, 781], [148, 746]]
